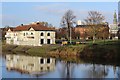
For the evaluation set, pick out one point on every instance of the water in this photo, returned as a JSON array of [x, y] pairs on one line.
[[21, 66]]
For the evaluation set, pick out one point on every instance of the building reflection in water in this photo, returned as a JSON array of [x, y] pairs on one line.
[[30, 64]]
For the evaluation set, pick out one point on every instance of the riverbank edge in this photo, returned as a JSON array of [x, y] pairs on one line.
[[104, 51], [50, 50]]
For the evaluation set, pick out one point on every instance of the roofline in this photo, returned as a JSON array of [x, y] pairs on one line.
[[35, 30]]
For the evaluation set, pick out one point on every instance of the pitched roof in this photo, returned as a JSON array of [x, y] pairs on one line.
[[84, 26], [12, 29], [6, 29], [36, 27]]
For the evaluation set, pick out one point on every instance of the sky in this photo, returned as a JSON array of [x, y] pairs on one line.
[[16, 13]]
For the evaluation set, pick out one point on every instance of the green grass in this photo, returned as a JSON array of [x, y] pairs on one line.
[[21, 48], [37, 50], [67, 49], [8, 47], [108, 50], [42, 50]]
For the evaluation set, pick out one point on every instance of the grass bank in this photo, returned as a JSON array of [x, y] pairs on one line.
[[49, 50], [100, 50], [29, 50]]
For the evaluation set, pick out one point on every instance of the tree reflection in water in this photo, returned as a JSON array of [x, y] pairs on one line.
[[95, 71], [98, 71], [118, 73], [66, 70]]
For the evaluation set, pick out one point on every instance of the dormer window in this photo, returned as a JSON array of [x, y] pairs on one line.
[[48, 34], [42, 34]]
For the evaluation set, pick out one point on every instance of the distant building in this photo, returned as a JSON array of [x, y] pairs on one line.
[[113, 31], [79, 22], [84, 32], [115, 18], [29, 64], [31, 34], [119, 20], [119, 12], [114, 28]]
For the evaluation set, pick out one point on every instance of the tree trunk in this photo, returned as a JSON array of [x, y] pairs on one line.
[[94, 39], [104, 41]]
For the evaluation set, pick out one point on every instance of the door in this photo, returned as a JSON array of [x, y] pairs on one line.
[[48, 41], [42, 41]]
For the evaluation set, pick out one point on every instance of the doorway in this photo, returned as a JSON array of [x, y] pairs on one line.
[[42, 41], [48, 41]]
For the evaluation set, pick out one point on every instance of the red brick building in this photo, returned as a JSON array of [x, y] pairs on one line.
[[85, 32]]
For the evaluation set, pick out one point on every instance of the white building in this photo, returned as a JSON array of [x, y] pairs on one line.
[[113, 28], [32, 34], [79, 22], [119, 12]]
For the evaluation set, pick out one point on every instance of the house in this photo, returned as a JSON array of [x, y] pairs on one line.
[[32, 34]]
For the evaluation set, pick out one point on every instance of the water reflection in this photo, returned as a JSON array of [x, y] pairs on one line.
[[118, 73], [72, 70], [98, 71], [21, 66], [28, 64], [67, 69]]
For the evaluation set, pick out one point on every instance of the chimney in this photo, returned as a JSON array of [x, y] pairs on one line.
[[21, 24], [37, 23]]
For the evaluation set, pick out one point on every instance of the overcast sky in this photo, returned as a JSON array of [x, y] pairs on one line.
[[16, 13]]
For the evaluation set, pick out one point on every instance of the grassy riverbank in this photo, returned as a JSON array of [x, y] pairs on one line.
[[102, 52], [50, 50], [99, 50], [28, 50]]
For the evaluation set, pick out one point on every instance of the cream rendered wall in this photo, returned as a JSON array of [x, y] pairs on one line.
[[45, 37], [9, 36], [19, 38], [24, 40]]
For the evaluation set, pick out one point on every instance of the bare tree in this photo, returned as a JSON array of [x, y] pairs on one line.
[[68, 20], [104, 32], [94, 19]]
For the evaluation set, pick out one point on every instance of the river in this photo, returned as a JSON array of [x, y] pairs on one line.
[[21, 66]]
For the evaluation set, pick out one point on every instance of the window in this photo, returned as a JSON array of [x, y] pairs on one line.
[[48, 68], [41, 68], [31, 33], [48, 34], [41, 34], [24, 34], [42, 61], [48, 60]]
